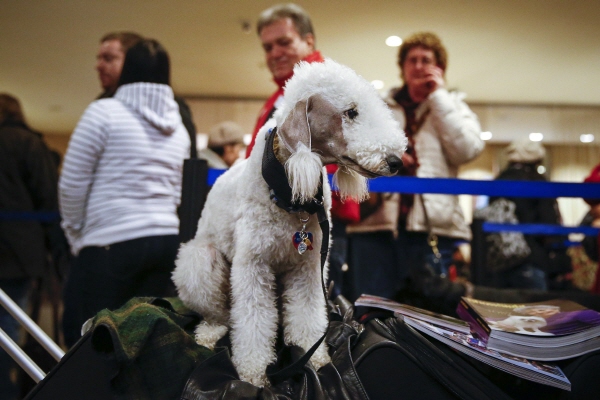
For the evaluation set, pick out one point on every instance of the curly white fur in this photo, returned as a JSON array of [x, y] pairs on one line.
[[243, 248], [350, 184], [304, 170]]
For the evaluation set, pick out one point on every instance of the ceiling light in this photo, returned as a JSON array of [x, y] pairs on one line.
[[393, 41], [586, 138], [541, 169], [377, 84], [487, 135], [536, 137]]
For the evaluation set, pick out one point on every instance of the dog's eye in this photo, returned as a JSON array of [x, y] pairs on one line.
[[351, 113]]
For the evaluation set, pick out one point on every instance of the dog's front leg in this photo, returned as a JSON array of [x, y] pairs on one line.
[[305, 313], [253, 317]]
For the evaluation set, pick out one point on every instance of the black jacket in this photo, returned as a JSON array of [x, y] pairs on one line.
[[28, 183], [547, 252]]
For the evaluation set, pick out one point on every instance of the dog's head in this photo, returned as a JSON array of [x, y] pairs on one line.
[[331, 115]]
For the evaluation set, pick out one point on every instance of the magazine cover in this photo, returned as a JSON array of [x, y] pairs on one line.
[[536, 371], [549, 318], [400, 309]]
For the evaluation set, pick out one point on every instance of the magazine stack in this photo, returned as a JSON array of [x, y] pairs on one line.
[[519, 339]]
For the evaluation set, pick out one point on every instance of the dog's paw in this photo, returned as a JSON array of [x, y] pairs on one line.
[[208, 335], [256, 380], [251, 367], [320, 357]]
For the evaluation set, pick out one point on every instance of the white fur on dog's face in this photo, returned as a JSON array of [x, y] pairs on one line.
[[349, 122]]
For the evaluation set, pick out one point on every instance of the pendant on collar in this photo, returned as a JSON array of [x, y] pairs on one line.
[[302, 239]]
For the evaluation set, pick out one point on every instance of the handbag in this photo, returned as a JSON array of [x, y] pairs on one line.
[[505, 250], [194, 187], [433, 260], [194, 190]]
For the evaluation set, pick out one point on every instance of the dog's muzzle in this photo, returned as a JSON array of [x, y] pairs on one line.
[[394, 164]]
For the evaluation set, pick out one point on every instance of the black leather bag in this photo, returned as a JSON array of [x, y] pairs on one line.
[[384, 359], [394, 361]]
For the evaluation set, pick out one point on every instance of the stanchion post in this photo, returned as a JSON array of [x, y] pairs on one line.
[[20, 357], [31, 327]]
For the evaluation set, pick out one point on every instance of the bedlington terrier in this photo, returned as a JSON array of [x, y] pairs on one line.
[[249, 252]]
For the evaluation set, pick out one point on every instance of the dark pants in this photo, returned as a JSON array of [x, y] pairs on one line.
[[379, 264], [525, 276], [108, 276]]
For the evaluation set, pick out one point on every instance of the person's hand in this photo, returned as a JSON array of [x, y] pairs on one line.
[[408, 161], [409, 165], [435, 78], [432, 79]]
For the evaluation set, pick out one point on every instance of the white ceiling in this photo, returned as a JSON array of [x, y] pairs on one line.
[[509, 51]]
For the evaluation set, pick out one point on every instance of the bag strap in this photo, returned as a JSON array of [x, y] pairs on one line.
[[299, 364], [432, 239]]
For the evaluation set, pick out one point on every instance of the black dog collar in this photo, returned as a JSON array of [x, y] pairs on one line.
[[274, 174]]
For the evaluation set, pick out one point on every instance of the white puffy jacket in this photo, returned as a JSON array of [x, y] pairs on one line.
[[448, 138]]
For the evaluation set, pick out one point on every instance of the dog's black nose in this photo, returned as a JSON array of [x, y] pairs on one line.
[[394, 163]]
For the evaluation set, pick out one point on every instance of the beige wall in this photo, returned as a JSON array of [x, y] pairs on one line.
[[559, 123], [211, 111]]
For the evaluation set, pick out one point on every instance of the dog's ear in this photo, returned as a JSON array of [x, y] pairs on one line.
[[303, 167], [326, 127], [295, 129], [317, 124]]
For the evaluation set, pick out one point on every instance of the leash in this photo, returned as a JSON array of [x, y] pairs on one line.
[[281, 194]]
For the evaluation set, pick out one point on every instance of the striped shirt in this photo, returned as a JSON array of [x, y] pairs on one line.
[[122, 172]]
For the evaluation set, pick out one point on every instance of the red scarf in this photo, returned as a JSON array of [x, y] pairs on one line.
[[411, 127], [267, 108]]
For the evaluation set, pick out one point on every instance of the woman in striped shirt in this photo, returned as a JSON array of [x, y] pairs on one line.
[[121, 185]]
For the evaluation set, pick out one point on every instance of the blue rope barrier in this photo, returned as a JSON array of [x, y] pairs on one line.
[[542, 229], [497, 188], [40, 216], [213, 174], [413, 185]]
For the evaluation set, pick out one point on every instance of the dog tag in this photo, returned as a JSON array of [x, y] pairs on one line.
[[302, 248], [302, 241]]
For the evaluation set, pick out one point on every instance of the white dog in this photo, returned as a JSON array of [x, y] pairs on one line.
[[244, 254]]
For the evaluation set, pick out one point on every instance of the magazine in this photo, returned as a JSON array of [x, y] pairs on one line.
[[535, 371], [550, 330], [456, 324]]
